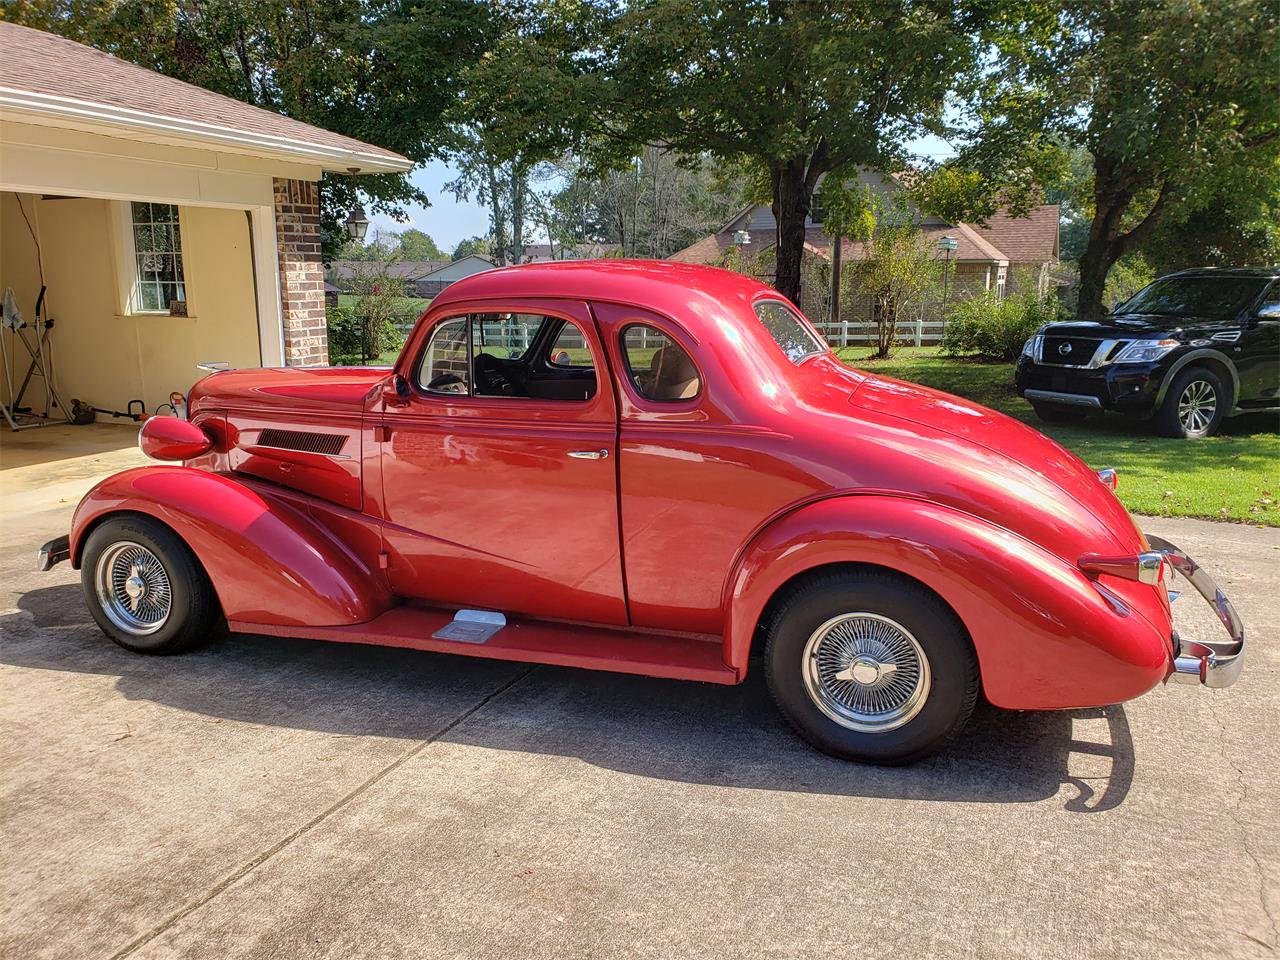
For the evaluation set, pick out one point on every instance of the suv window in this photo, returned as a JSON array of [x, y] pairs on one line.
[[788, 330], [1212, 297], [659, 368]]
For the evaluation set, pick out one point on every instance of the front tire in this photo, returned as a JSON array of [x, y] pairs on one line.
[[872, 667], [145, 588], [1194, 405]]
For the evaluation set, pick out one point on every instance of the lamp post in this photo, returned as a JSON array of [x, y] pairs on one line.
[[946, 245], [357, 224]]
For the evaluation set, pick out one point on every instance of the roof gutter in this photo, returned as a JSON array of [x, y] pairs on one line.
[[337, 159]]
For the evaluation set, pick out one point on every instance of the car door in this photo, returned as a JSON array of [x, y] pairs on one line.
[[499, 465], [1258, 360]]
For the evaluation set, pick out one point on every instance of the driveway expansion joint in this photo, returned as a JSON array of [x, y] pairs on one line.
[[227, 882]]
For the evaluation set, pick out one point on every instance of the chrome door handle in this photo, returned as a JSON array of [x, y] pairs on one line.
[[589, 454]]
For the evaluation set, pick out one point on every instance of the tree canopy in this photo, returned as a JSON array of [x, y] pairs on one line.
[[1175, 103]]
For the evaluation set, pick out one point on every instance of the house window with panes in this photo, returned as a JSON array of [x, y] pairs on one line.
[[157, 248]]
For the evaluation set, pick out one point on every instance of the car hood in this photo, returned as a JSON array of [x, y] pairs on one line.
[[991, 465], [298, 389], [1135, 326]]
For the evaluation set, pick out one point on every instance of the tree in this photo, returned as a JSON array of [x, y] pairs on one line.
[[898, 269], [416, 245], [472, 246], [798, 88], [651, 207], [382, 71], [1171, 99]]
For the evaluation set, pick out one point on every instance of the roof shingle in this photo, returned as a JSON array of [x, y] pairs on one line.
[[39, 63]]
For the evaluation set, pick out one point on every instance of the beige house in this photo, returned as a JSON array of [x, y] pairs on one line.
[[1001, 256], [168, 225]]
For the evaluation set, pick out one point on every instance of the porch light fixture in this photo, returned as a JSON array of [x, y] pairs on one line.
[[357, 224]]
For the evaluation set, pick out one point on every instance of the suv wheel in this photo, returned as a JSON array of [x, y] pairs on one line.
[[1194, 405], [871, 666]]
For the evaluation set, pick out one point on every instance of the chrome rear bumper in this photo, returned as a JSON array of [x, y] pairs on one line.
[[55, 551], [1215, 663]]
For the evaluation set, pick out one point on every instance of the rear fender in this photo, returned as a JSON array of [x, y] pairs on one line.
[[1045, 636], [269, 562]]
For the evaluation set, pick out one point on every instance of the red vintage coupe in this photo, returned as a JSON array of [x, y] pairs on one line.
[[652, 468]]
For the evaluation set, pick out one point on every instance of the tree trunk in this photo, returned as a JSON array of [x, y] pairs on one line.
[[791, 197], [519, 188], [499, 219], [1113, 193]]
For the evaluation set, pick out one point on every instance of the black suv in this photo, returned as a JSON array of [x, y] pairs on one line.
[[1185, 351]]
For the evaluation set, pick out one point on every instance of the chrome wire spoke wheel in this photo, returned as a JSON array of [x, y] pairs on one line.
[[866, 672], [1197, 406], [133, 588]]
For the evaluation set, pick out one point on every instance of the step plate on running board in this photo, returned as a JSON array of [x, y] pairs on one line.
[[471, 626]]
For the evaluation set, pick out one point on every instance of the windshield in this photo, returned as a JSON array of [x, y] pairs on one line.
[[788, 331], [1215, 297]]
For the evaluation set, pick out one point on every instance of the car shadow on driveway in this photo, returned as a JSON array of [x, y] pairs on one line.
[[673, 730]]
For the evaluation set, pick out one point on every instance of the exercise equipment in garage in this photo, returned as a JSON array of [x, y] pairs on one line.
[[34, 339]]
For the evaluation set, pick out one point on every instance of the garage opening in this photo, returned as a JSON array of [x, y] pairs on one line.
[[138, 293]]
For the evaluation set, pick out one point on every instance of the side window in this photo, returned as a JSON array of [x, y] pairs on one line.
[[789, 332], [508, 355], [445, 367], [506, 336], [570, 349], [659, 368]]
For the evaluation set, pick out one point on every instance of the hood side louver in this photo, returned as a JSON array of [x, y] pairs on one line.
[[328, 444]]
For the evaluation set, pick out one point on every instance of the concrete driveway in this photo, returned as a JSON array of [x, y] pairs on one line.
[[275, 798]]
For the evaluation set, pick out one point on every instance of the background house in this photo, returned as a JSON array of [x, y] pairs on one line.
[[169, 224], [1006, 254]]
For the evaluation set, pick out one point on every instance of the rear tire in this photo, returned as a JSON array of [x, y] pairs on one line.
[[1050, 413], [1194, 406], [871, 666], [145, 588]]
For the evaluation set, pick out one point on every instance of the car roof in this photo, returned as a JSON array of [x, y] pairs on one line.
[[696, 296], [1261, 273]]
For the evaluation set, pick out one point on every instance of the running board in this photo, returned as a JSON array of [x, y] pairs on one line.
[[619, 649]]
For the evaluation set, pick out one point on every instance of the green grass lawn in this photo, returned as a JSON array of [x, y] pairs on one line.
[[1233, 476]]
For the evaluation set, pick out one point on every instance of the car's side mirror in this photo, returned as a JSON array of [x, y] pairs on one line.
[[1270, 311], [396, 391]]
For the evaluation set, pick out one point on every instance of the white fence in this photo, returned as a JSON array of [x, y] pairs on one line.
[[853, 333]]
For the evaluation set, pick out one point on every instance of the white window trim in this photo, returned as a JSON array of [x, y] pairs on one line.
[[126, 268]]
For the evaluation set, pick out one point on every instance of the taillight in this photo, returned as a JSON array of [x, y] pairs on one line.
[[1144, 567]]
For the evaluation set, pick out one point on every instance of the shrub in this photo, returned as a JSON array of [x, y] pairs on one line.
[[344, 335], [989, 327]]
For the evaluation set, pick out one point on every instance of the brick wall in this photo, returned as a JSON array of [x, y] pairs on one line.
[[297, 206]]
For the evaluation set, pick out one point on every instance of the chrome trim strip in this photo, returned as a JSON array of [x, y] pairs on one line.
[[1068, 399], [1214, 663], [1097, 359]]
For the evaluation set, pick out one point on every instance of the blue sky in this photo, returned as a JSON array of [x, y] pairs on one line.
[[449, 221]]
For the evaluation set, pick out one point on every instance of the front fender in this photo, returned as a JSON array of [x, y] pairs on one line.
[[1045, 636], [269, 562]]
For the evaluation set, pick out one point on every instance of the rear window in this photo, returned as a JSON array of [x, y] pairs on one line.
[[1215, 297], [788, 330]]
